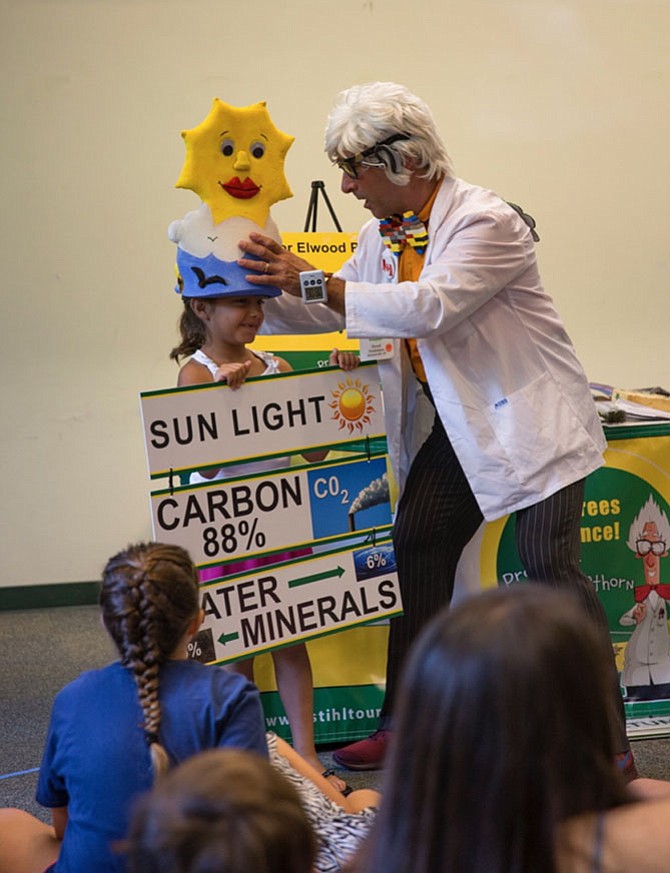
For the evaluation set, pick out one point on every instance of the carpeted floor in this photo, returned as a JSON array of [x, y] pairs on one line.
[[43, 649]]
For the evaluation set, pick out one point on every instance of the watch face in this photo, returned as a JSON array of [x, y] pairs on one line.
[[313, 287], [314, 293]]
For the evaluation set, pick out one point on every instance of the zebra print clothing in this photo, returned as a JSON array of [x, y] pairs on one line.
[[339, 833]]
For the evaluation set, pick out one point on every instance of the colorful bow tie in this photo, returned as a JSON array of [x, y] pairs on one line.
[[399, 231]]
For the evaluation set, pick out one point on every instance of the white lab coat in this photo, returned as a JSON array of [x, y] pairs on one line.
[[506, 382], [646, 659]]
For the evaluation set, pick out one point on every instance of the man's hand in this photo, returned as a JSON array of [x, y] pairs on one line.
[[279, 267]]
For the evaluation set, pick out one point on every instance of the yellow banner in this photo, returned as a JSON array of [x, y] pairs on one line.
[[325, 251]]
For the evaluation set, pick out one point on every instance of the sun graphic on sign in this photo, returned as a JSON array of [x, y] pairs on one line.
[[352, 404]]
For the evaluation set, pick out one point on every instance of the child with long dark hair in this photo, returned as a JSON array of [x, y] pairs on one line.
[[114, 731], [215, 328], [502, 761]]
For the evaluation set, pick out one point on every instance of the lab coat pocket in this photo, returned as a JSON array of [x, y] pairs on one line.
[[537, 428]]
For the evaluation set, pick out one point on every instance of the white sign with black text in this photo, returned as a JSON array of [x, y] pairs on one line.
[[261, 514], [204, 426], [296, 601]]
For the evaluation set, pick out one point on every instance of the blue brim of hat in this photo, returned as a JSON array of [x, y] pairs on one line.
[[212, 277]]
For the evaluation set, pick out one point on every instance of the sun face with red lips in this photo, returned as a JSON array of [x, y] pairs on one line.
[[235, 162]]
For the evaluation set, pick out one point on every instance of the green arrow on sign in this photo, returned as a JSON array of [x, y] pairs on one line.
[[228, 638], [306, 580]]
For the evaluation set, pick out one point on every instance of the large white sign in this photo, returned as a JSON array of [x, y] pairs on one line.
[[268, 512], [291, 602], [202, 426]]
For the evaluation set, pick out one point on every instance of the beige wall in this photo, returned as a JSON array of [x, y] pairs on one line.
[[561, 106]]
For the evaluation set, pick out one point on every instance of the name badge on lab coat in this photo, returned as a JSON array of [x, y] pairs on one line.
[[376, 349]]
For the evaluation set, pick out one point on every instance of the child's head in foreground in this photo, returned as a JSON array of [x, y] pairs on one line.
[[222, 811]]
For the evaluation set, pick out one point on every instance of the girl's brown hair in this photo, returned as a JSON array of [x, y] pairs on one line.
[[504, 729], [222, 811], [149, 596], [193, 333]]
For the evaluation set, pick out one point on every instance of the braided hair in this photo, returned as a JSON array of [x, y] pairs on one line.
[[193, 333], [148, 598]]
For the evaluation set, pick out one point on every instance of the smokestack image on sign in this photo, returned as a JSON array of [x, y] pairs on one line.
[[376, 492]]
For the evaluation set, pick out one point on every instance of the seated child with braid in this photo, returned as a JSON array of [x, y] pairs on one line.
[[114, 731]]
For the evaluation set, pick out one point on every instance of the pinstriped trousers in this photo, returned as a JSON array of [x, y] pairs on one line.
[[437, 516]]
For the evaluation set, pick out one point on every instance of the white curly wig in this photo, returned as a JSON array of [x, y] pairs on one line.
[[650, 512], [364, 115]]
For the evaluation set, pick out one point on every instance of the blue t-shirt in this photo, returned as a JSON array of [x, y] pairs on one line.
[[96, 760]]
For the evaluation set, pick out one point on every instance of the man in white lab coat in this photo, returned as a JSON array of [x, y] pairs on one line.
[[487, 408]]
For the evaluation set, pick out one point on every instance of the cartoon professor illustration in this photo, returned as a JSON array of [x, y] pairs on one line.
[[646, 670]]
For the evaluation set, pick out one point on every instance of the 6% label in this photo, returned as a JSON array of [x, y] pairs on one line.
[[375, 560]]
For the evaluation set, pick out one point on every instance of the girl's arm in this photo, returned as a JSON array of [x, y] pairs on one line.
[[343, 360], [354, 802], [193, 373], [59, 820], [233, 375]]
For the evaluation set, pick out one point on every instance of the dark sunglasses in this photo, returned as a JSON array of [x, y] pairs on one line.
[[372, 157]]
